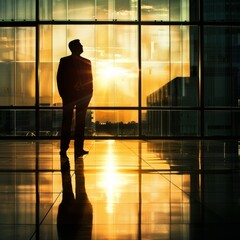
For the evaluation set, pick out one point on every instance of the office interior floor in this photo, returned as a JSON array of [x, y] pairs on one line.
[[123, 189]]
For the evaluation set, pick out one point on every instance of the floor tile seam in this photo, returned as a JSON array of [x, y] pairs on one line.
[[135, 153], [163, 175], [89, 149], [156, 170], [49, 209], [142, 159], [175, 185], [72, 174], [37, 225]]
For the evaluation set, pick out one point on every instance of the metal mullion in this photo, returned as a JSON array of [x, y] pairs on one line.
[[37, 115], [201, 68], [15, 82], [139, 71]]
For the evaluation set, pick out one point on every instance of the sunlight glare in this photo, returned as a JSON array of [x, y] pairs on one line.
[[111, 181], [108, 73]]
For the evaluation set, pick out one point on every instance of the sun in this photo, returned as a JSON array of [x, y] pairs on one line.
[[108, 73]]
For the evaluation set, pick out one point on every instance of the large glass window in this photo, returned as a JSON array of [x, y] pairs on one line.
[[160, 68], [17, 66]]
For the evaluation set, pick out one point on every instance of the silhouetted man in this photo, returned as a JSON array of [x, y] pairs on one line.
[[74, 79]]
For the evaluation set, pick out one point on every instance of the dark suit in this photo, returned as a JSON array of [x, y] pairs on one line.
[[74, 79]]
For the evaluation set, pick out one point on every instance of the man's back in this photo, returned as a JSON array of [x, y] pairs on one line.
[[74, 77]]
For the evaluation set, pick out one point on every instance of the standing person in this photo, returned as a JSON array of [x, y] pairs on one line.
[[75, 86]]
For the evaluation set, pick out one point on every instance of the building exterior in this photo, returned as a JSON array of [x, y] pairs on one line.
[[161, 68], [181, 91]]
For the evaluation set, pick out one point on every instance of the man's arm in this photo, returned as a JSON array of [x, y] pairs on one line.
[[60, 74]]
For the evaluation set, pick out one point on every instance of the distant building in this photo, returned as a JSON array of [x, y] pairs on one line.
[[180, 92]]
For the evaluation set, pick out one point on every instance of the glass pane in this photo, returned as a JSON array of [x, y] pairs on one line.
[[116, 10], [222, 123], [116, 66], [170, 123], [221, 10], [165, 10], [88, 10], [113, 52], [17, 122], [155, 10], [98, 123], [221, 66], [50, 122], [53, 9], [17, 66], [17, 10], [169, 66], [77, 10], [115, 122]]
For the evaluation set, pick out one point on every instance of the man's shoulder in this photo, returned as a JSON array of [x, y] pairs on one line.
[[85, 60], [66, 58], [70, 58]]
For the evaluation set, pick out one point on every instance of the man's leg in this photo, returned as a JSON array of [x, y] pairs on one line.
[[79, 129], [66, 128]]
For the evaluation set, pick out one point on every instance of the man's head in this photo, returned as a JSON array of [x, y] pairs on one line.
[[76, 47]]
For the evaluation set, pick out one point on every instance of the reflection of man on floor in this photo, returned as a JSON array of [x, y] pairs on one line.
[[75, 215], [74, 79]]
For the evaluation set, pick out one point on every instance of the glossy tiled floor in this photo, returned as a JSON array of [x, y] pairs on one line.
[[123, 189]]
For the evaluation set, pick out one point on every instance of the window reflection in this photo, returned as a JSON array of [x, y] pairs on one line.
[[88, 10], [165, 10]]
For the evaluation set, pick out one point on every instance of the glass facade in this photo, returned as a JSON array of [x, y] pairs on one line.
[[165, 68]]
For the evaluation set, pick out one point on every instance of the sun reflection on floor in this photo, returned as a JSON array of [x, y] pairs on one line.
[[111, 180]]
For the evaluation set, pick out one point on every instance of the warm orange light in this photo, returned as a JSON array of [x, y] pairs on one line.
[[111, 181], [108, 73]]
